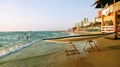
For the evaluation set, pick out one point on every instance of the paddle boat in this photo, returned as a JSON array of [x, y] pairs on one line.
[[70, 39]]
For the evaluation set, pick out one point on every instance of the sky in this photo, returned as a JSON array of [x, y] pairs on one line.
[[42, 15]]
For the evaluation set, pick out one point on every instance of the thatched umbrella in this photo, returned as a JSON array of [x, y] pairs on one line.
[[103, 3]]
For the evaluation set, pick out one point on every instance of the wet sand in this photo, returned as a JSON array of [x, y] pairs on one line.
[[109, 56]]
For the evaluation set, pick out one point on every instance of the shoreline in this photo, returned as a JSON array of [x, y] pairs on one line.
[[15, 48]]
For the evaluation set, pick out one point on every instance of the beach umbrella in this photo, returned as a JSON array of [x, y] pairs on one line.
[[103, 3]]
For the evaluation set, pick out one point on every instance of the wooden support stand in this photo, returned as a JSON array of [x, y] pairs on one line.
[[90, 42], [71, 50]]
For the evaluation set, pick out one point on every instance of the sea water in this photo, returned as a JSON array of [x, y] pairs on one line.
[[11, 42]]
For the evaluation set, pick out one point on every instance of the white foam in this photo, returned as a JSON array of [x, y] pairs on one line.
[[15, 48]]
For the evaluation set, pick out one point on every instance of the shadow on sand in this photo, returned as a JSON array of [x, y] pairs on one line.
[[111, 38], [116, 47]]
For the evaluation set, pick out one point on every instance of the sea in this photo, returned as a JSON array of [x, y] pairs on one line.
[[11, 42]]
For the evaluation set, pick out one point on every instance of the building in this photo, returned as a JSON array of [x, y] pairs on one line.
[[97, 19], [110, 15], [85, 22]]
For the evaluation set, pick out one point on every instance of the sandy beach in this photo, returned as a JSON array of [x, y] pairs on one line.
[[109, 56]]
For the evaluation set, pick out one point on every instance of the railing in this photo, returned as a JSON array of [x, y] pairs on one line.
[[107, 29], [118, 29]]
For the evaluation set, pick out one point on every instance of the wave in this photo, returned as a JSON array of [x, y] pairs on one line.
[[15, 48]]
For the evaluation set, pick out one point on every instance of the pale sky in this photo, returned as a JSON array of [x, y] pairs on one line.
[[37, 15]]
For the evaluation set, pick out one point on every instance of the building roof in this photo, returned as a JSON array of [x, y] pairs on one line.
[[103, 3]]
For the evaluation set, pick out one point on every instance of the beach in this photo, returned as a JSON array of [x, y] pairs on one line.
[[108, 56], [60, 33]]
